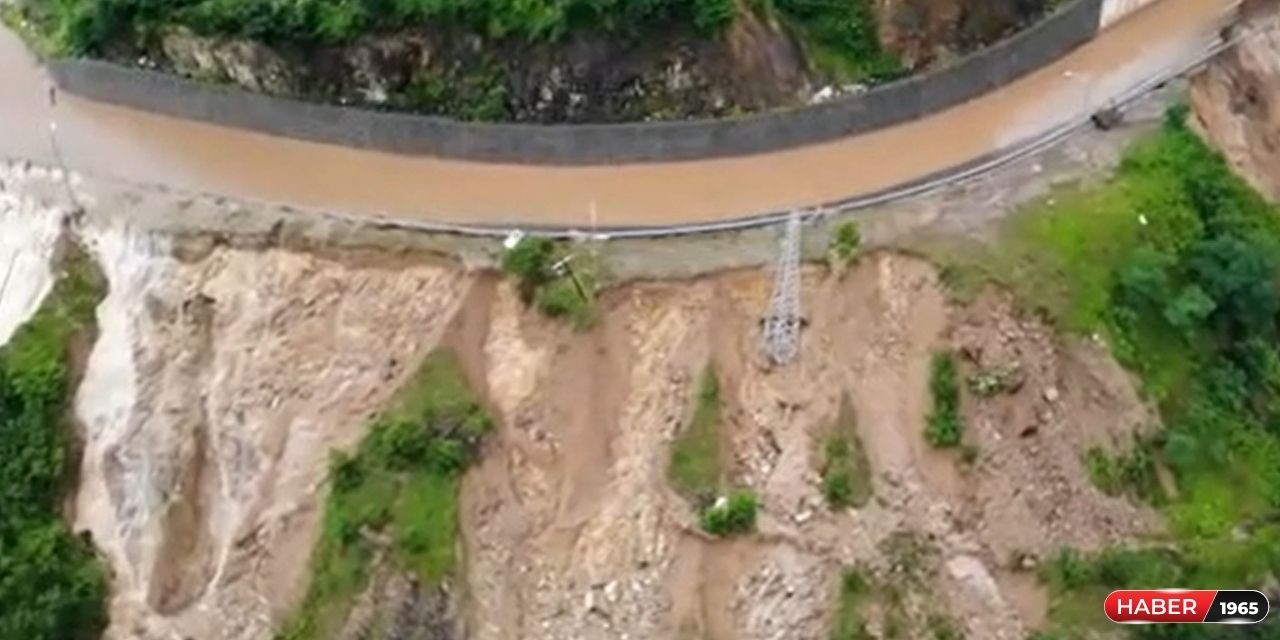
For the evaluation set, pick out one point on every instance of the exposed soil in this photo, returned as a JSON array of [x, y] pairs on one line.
[[218, 386], [622, 557], [924, 31], [1237, 98]]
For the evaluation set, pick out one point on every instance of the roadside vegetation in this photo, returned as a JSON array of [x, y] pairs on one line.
[[841, 38], [52, 585], [560, 282], [473, 77], [944, 427], [845, 246], [1175, 263], [394, 501]]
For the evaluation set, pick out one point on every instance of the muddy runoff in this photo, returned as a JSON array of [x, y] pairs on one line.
[[224, 374], [110, 141]]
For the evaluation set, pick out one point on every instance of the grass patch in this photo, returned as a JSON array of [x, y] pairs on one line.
[[396, 496], [1175, 261], [846, 472], [848, 623], [944, 427], [51, 583], [694, 470]]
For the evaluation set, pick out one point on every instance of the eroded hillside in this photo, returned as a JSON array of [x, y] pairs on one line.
[[223, 376], [1237, 98]]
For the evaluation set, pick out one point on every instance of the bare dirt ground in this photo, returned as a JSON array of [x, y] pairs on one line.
[[1237, 98], [221, 380], [228, 366], [572, 531]]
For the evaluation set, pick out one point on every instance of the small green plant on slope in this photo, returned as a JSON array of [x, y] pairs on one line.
[[733, 515], [848, 622], [51, 583], [694, 469], [846, 472], [944, 427], [846, 244], [395, 497]]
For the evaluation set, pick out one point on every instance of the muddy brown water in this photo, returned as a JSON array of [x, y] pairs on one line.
[[117, 142]]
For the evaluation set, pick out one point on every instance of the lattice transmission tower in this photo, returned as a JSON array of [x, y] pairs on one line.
[[780, 335]]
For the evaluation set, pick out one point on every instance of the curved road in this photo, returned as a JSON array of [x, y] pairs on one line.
[[110, 141]]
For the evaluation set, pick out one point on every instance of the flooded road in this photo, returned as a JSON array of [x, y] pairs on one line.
[[111, 141]]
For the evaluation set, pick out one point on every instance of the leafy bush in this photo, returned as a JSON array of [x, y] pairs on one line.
[[944, 427], [731, 516], [845, 244], [51, 583], [530, 261]]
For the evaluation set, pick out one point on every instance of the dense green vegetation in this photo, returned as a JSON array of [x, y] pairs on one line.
[[396, 496], [51, 584], [694, 470], [846, 472], [1176, 262], [99, 26], [944, 427], [842, 38], [567, 291]]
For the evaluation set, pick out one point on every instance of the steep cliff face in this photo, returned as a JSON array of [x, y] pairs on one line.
[[30, 220], [1237, 98], [221, 380]]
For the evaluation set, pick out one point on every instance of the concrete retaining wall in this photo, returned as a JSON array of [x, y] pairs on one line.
[[1072, 25]]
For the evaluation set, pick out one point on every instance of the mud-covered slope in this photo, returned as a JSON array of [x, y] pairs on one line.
[[30, 220], [1237, 98], [223, 376], [220, 382], [572, 530]]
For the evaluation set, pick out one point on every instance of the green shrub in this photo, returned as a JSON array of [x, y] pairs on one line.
[[530, 261], [846, 241], [944, 427], [731, 516]]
